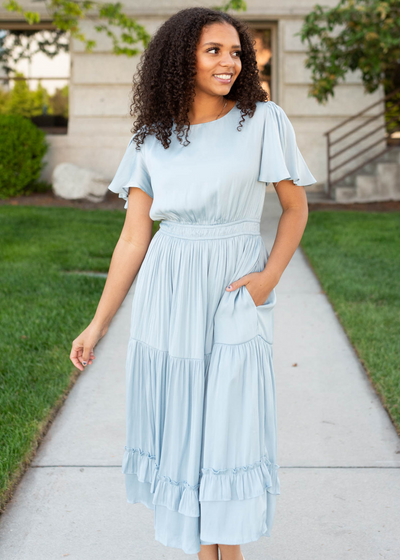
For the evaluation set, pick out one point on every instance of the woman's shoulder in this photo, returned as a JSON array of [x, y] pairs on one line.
[[136, 135], [274, 117], [270, 108]]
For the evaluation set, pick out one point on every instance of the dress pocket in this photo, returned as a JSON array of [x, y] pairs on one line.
[[269, 302], [235, 320], [265, 316]]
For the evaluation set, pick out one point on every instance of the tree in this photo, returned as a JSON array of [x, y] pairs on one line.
[[40, 100], [58, 102], [4, 97], [20, 101], [66, 15], [359, 35], [19, 45]]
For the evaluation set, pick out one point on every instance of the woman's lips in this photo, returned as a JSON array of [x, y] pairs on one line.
[[222, 81]]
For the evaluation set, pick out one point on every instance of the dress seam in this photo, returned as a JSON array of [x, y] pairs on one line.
[[205, 355], [167, 352], [209, 224], [204, 470], [214, 238], [163, 478], [242, 343]]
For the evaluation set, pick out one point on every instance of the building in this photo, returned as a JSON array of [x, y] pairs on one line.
[[100, 85]]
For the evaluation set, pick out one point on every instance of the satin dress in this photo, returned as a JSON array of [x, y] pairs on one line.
[[201, 411]]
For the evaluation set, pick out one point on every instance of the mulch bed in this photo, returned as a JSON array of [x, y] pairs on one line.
[[110, 202], [113, 202], [383, 206]]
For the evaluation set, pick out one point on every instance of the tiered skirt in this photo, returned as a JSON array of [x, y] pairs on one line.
[[201, 419]]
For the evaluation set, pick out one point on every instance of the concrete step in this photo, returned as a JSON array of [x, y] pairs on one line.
[[344, 193], [392, 155], [377, 180], [318, 196], [385, 185], [366, 186], [350, 180]]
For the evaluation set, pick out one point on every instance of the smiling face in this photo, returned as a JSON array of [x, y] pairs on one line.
[[218, 59]]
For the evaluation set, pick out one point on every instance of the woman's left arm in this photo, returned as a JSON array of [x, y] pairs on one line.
[[290, 230]]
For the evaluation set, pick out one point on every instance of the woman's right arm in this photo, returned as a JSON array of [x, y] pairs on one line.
[[126, 260]]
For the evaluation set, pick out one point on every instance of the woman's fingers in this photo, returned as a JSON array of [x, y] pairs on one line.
[[237, 283], [86, 356], [91, 358], [80, 355], [74, 357]]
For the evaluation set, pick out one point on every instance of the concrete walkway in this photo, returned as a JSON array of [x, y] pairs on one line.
[[338, 451]]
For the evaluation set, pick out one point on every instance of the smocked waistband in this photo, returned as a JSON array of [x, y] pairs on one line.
[[209, 231]]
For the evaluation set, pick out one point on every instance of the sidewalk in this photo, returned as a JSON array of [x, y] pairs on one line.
[[338, 451]]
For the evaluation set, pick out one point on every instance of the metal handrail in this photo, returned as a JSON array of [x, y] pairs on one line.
[[331, 142]]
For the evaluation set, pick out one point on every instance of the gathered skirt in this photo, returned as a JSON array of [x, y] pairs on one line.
[[201, 418]]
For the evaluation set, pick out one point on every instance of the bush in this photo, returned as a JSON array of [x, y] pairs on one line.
[[22, 147]]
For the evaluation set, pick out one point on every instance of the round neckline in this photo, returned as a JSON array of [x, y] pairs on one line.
[[215, 120]]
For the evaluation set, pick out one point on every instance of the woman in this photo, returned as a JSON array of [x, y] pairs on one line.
[[200, 402]]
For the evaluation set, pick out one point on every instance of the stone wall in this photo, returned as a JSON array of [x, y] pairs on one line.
[[99, 124]]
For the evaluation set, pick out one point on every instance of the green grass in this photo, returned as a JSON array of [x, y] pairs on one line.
[[356, 257], [42, 310]]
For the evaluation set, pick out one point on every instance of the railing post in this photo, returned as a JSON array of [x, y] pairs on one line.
[[328, 146]]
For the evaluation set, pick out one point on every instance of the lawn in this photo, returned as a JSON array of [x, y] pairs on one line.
[[356, 256], [42, 310]]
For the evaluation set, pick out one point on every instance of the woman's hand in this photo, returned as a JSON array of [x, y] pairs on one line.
[[291, 226], [82, 347], [258, 284]]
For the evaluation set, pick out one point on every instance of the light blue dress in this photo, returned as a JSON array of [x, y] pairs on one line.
[[201, 443]]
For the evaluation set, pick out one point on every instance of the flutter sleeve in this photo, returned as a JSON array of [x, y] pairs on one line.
[[281, 158], [132, 172]]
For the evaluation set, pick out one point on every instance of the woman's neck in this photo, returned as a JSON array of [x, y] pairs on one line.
[[203, 111]]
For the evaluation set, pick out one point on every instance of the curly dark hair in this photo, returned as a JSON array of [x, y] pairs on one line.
[[164, 83]]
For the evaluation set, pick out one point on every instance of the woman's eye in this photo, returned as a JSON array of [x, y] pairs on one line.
[[216, 48]]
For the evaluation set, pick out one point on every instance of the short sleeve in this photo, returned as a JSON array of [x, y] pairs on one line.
[[281, 158], [131, 172]]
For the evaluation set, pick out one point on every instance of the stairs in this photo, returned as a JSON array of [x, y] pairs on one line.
[[377, 180]]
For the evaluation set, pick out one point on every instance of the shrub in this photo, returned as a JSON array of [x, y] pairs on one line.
[[22, 147]]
